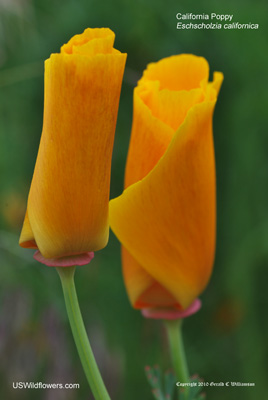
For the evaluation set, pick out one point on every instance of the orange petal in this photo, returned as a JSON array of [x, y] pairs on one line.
[[142, 289], [69, 195], [91, 42], [27, 238], [184, 72], [158, 113], [167, 220], [150, 133]]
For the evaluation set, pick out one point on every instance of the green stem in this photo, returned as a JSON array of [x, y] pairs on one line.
[[80, 335], [177, 350]]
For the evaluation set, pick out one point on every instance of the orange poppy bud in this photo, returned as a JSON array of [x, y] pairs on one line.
[[165, 218], [67, 211]]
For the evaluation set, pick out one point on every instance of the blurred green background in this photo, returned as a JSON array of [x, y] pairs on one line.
[[227, 339]]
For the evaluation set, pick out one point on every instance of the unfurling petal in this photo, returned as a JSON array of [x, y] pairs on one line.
[[166, 217]]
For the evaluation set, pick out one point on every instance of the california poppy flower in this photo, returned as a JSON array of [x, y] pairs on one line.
[[165, 218], [67, 210]]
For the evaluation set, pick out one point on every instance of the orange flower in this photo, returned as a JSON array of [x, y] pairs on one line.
[[67, 211], [165, 218]]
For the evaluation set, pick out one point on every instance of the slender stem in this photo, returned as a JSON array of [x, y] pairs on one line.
[[80, 335], [177, 350]]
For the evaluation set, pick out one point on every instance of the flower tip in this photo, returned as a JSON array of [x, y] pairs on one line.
[[69, 261]]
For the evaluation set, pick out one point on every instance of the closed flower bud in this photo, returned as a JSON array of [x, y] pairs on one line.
[[166, 216], [67, 211]]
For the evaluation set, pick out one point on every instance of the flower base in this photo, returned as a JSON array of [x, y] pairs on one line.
[[168, 313], [78, 259]]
